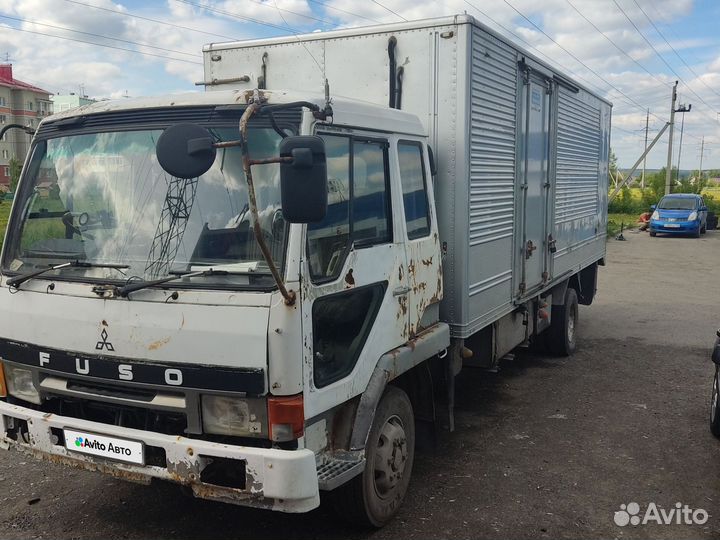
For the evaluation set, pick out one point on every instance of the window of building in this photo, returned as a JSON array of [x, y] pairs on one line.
[[3, 118], [6, 171], [358, 211], [6, 154], [2, 101], [414, 185], [30, 106]]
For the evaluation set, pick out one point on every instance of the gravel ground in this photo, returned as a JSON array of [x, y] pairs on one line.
[[545, 448]]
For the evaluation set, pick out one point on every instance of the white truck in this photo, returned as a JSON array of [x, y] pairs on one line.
[[262, 291]]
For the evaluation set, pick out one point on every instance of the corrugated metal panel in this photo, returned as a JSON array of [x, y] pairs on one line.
[[491, 178], [492, 139], [578, 151]]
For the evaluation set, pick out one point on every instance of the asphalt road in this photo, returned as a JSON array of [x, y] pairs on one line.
[[545, 448]]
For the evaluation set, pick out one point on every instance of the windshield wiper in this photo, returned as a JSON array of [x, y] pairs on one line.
[[18, 280], [137, 285]]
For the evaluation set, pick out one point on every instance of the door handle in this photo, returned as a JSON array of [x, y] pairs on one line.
[[529, 248], [401, 291]]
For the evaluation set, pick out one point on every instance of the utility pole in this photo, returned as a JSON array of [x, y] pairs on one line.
[[683, 110], [647, 121], [668, 171], [702, 152]]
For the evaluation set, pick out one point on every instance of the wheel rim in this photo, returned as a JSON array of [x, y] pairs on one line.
[[571, 325], [714, 401], [391, 454]]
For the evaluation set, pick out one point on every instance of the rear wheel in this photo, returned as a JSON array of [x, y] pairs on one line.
[[563, 325], [374, 497], [715, 404]]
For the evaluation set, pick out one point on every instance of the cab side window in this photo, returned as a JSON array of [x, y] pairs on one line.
[[358, 204], [414, 185]]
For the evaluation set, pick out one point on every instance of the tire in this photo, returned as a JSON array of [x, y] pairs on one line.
[[653, 234], [562, 335], [703, 230], [696, 234], [372, 498], [715, 404]]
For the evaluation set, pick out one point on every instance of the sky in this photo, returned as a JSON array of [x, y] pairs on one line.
[[629, 51]]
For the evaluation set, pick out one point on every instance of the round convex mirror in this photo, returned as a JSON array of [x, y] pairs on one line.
[[185, 150]]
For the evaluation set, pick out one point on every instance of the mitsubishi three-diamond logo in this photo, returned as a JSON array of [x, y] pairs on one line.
[[104, 343]]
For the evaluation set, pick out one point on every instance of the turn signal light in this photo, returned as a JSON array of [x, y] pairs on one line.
[[286, 417]]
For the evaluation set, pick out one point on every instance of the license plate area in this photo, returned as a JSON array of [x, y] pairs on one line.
[[672, 225], [104, 446]]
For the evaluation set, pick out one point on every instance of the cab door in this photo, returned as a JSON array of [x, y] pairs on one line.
[[424, 279], [354, 273]]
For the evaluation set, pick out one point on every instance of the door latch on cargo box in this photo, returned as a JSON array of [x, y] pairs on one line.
[[529, 248]]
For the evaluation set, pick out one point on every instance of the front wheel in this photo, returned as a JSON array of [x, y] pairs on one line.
[[653, 233], [563, 324], [374, 497], [715, 404]]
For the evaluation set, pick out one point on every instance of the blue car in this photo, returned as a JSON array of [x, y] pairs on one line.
[[680, 213]]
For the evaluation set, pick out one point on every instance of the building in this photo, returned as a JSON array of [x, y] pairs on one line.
[[69, 101], [20, 103]]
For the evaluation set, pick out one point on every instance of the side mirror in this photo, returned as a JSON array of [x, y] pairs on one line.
[[185, 150], [653, 207], [303, 179]]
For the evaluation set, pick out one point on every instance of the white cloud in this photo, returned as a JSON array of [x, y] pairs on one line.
[[62, 65]]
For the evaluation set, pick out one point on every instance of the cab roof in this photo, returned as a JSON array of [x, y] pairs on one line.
[[346, 112]]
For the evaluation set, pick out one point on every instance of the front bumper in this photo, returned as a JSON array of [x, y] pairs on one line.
[[674, 227], [282, 480]]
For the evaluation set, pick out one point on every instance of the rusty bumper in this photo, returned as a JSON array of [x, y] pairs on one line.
[[282, 480]]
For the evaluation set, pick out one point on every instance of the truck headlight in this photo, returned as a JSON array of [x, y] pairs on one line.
[[692, 216], [20, 384], [223, 415], [655, 215]]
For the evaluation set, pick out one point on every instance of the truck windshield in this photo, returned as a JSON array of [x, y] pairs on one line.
[[103, 198]]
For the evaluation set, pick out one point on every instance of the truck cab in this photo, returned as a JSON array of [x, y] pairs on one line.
[[145, 334]]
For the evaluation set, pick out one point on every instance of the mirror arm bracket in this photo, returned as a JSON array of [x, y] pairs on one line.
[[253, 108]]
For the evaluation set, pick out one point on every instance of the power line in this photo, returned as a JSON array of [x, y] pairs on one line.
[[532, 47], [329, 6], [661, 56], [603, 34], [577, 59], [138, 43], [675, 51], [158, 21], [388, 9], [236, 16], [164, 57], [279, 9]]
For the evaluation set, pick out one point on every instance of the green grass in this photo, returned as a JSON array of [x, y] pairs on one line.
[[616, 220]]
